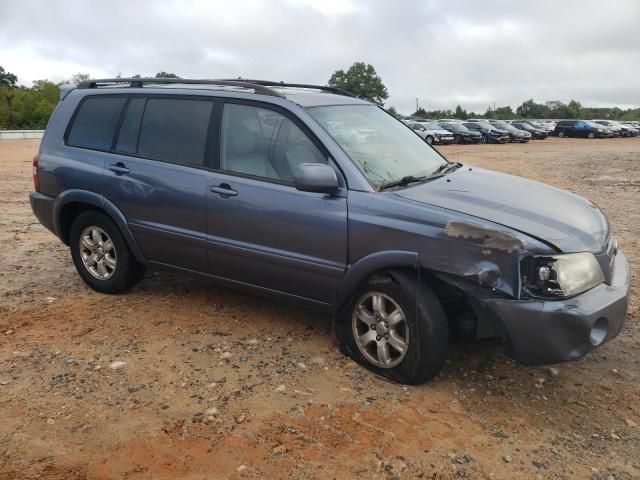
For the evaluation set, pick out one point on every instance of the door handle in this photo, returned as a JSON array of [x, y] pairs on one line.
[[119, 168], [223, 189]]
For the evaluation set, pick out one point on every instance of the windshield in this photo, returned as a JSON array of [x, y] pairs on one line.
[[381, 147]]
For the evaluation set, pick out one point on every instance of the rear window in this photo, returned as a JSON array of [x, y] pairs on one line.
[[175, 130], [95, 123]]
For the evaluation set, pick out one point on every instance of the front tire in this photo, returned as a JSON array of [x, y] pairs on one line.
[[561, 134], [429, 140], [101, 254], [394, 325], [591, 135]]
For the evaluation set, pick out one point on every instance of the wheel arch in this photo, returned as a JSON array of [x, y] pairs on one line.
[[450, 290], [71, 202], [369, 265]]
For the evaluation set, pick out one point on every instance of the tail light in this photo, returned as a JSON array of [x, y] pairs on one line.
[[36, 172]]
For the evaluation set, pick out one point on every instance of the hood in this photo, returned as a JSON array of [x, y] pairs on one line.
[[566, 221]]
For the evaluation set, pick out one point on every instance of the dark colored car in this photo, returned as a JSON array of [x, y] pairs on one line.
[[536, 133], [462, 134], [309, 194], [580, 128], [515, 134], [490, 133]]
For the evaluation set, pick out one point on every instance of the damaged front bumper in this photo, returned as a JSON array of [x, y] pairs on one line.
[[553, 331]]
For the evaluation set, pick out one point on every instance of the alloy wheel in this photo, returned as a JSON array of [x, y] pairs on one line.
[[380, 329], [97, 252]]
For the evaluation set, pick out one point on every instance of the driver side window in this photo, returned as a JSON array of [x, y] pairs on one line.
[[263, 143]]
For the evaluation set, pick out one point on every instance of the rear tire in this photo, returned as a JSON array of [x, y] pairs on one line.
[[561, 134], [457, 139], [409, 316], [101, 254], [429, 140]]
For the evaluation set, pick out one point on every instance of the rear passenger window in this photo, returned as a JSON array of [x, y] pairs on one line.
[[95, 123], [128, 136], [175, 130]]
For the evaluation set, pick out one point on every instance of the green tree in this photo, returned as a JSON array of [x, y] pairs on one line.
[[76, 78], [574, 109], [164, 74], [461, 113], [7, 79], [531, 109], [504, 113], [361, 80], [393, 111], [420, 112]]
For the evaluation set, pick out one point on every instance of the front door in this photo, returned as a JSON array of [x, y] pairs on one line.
[[261, 231]]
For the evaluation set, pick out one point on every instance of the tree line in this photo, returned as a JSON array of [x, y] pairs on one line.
[[554, 109], [23, 108]]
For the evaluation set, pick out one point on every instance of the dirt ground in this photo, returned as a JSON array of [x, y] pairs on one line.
[[218, 384]]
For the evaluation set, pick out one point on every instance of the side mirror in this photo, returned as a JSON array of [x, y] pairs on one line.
[[316, 177]]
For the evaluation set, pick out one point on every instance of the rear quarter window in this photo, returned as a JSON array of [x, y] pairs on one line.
[[95, 123]]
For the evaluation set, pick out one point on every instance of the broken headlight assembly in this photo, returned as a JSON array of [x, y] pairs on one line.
[[560, 276]]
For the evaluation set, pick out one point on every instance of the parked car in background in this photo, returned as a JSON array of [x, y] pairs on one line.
[[515, 134], [542, 126], [536, 133], [622, 129], [462, 134], [260, 188], [632, 127], [613, 127], [548, 125], [631, 123], [431, 132], [490, 133], [580, 128]]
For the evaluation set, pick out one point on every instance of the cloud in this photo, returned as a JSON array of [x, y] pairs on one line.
[[442, 52]]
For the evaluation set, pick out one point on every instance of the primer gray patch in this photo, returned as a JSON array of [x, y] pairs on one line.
[[491, 239]]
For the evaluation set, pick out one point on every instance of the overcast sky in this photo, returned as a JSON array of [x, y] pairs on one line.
[[471, 52]]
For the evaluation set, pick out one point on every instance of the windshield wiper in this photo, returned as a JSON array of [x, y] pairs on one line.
[[404, 181], [438, 172], [446, 167]]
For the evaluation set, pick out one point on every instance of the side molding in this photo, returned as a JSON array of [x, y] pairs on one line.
[[98, 201], [364, 267]]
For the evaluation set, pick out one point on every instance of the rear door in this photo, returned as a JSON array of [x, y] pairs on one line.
[[156, 177], [261, 230]]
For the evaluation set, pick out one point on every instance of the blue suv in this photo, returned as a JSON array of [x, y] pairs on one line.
[[308, 194]]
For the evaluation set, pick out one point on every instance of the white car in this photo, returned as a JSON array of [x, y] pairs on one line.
[[431, 132]]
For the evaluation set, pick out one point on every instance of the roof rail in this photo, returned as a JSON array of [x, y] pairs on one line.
[[140, 82], [268, 83]]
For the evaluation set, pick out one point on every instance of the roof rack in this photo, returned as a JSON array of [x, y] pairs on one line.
[[268, 83], [140, 82]]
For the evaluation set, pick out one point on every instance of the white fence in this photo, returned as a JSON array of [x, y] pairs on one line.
[[19, 134]]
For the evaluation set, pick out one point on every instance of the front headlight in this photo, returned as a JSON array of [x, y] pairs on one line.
[[560, 276]]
